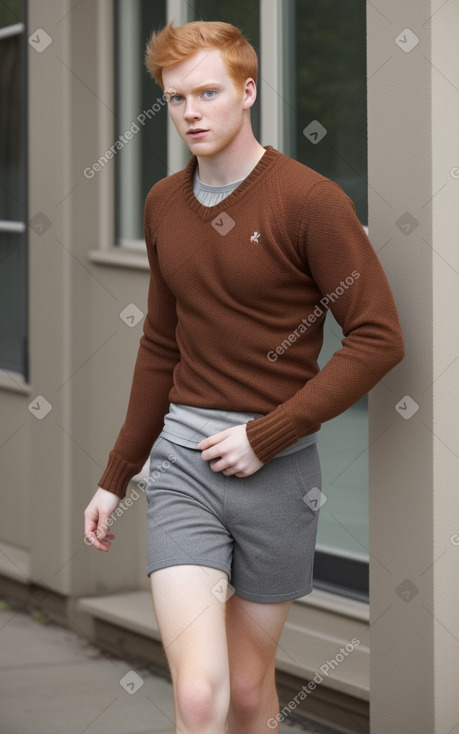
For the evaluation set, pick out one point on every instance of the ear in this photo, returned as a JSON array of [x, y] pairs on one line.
[[250, 93]]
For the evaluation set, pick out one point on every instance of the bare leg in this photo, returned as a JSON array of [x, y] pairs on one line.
[[253, 631], [191, 619]]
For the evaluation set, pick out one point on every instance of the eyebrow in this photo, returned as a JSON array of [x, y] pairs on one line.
[[202, 87]]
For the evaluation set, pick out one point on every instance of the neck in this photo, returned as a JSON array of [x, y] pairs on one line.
[[231, 164]]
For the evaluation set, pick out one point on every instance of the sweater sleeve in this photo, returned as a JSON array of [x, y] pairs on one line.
[[335, 247], [157, 356]]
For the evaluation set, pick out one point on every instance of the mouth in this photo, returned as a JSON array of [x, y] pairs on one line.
[[196, 133]]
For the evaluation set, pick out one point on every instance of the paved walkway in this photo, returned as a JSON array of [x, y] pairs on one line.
[[54, 682]]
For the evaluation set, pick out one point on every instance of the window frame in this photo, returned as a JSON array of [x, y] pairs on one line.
[[20, 379]]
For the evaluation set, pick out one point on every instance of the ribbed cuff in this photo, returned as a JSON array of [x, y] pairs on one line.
[[271, 433], [117, 475]]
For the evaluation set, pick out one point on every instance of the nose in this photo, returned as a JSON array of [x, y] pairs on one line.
[[191, 111]]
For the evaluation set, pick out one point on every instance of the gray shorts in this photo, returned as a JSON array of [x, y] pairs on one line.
[[260, 530]]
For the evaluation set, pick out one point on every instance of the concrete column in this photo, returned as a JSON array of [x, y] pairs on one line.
[[81, 350], [413, 108]]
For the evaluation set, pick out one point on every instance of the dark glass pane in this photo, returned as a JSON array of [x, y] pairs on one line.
[[340, 575], [139, 108], [330, 86], [326, 82], [154, 135], [12, 124], [245, 16], [11, 12], [13, 301]]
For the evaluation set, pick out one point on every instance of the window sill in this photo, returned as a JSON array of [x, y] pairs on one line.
[[14, 562], [336, 604], [14, 382], [120, 257]]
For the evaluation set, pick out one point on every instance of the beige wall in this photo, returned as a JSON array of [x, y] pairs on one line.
[[82, 353], [414, 504]]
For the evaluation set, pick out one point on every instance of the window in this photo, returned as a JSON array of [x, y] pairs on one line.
[[327, 74], [326, 84], [141, 115], [13, 196]]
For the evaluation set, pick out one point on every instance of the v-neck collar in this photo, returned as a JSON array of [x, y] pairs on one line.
[[209, 212]]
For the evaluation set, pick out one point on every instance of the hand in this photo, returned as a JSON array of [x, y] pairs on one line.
[[230, 452], [96, 514]]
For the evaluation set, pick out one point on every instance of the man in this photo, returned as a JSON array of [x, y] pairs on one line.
[[248, 249]]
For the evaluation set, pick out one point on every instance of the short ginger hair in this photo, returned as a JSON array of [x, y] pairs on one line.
[[170, 45]]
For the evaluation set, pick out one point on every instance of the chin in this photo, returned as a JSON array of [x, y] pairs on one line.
[[199, 149], [203, 152], [207, 149]]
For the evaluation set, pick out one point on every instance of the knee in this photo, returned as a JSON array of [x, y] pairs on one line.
[[200, 701], [249, 695]]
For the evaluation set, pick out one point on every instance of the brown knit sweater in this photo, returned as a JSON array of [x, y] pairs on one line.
[[237, 299]]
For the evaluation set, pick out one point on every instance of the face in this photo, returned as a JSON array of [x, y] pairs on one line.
[[207, 109]]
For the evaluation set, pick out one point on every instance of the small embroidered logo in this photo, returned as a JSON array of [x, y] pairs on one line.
[[255, 237]]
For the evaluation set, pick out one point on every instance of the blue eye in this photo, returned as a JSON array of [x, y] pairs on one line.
[[211, 92]]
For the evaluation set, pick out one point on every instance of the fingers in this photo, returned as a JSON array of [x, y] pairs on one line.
[[232, 465], [223, 451], [226, 464], [217, 438], [230, 453], [97, 519], [102, 544], [95, 530], [217, 448]]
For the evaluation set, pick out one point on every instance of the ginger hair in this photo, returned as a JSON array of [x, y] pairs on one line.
[[170, 46]]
